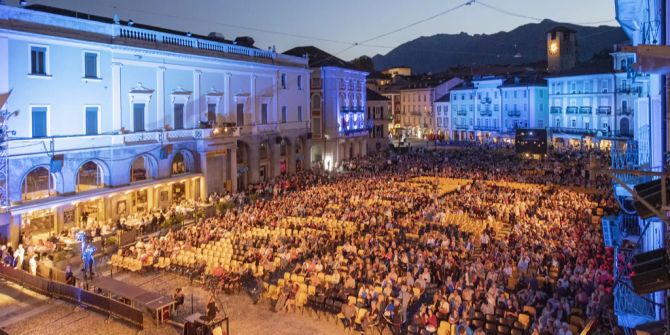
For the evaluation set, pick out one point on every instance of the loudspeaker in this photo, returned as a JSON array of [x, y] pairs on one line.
[[651, 192], [56, 163], [651, 271]]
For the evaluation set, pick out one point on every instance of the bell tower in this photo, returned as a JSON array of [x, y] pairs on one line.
[[561, 49]]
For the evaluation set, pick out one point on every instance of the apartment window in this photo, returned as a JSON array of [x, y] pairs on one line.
[[573, 123], [178, 116], [316, 126], [91, 65], [515, 94], [264, 113], [300, 82], [138, 117], [299, 113], [38, 60], [240, 114], [39, 121], [525, 94], [211, 113], [91, 120], [540, 123], [283, 80], [284, 117]]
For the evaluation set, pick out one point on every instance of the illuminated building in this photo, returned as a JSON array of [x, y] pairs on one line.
[[416, 104], [491, 108], [338, 99], [379, 117], [117, 118]]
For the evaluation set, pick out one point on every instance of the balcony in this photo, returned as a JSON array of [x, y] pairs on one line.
[[585, 110], [486, 113], [487, 128], [18, 147], [624, 111], [575, 131], [604, 110], [514, 113], [462, 112], [571, 110], [364, 131], [556, 110], [461, 126]]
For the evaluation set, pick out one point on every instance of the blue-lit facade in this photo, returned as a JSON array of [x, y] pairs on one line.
[[116, 119], [645, 22]]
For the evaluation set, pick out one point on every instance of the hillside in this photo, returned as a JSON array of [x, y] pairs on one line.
[[528, 43]]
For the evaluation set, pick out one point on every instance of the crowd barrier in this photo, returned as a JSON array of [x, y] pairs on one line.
[[53, 288]]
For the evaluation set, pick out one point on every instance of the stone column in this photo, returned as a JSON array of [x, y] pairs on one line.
[[275, 158], [226, 100], [197, 100], [232, 175], [252, 100], [290, 156], [253, 162], [117, 119], [160, 97], [204, 189]]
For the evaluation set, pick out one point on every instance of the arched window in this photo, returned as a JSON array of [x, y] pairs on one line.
[[89, 177], [38, 184], [179, 164], [139, 170]]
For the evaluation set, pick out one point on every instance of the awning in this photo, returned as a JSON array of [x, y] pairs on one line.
[[58, 201]]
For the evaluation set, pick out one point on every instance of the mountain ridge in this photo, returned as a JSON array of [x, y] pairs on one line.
[[521, 45]]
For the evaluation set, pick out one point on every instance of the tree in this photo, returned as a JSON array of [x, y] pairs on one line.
[[364, 63]]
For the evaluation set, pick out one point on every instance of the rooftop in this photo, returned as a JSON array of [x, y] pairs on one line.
[[320, 58], [374, 96], [63, 23], [444, 98]]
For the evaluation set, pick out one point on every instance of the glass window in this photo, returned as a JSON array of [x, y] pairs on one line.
[[178, 116], [39, 121], [211, 113], [240, 114], [299, 113], [39, 183], [89, 177], [38, 60], [284, 117], [91, 65], [300, 82], [91, 120], [283, 80], [264, 113], [138, 117]]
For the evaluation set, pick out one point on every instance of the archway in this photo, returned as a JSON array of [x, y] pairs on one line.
[[90, 177], [142, 168], [37, 184], [179, 164]]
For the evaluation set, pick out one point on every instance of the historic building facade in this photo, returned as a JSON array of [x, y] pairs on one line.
[[116, 118], [379, 117], [338, 100]]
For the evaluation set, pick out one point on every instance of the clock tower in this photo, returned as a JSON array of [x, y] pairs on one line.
[[561, 49]]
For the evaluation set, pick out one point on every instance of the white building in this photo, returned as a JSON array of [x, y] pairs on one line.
[[443, 116], [491, 108], [594, 103], [416, 104], [379, 117], [118, 118], [339, 127]]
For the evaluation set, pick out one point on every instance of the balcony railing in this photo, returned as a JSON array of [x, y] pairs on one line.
[[357, 132], [462, 112], [462, 126], [585, 110], [571, 110], [514, 113], [570, 130], [27, 146], [604, 110], [486, 113], [487, 128], [556, 110], [624, 111]]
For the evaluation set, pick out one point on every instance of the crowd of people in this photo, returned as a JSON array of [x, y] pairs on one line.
[[403, 263]]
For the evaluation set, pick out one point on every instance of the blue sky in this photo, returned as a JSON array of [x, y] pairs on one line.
[[334, 25]]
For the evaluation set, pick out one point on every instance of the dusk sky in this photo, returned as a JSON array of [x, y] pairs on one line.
[[335, 25]]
